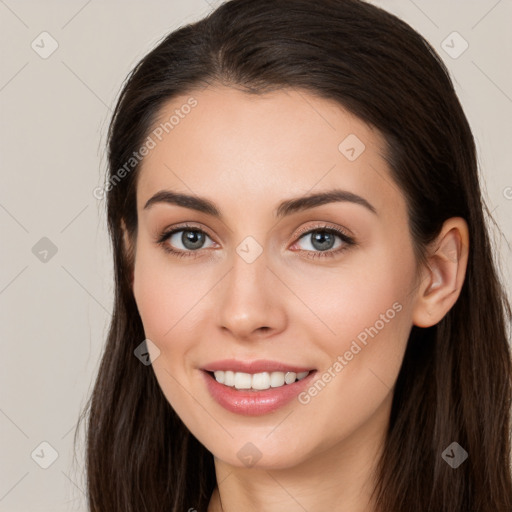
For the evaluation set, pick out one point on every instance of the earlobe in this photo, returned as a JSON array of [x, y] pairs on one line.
[[445, 271]]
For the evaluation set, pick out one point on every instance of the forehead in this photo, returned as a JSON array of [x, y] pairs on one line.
[[232, 146]]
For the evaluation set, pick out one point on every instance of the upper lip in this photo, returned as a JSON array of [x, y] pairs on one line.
[[256, 366]]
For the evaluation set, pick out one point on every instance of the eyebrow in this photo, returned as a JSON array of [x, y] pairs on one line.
[[285, 208]]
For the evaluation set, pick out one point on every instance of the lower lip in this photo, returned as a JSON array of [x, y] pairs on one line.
[[255, 403]]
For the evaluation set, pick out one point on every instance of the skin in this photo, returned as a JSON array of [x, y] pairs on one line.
[[246, 154]]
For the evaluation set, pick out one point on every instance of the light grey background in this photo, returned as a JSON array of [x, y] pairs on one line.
[[54, 118]]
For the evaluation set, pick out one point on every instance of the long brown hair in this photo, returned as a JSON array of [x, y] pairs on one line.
[[455, 380]]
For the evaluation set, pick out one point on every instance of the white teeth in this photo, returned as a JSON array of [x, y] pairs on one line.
[[277, 379], [229, 378], [243, 380], [257, 381], [290, 377], [261, 381]]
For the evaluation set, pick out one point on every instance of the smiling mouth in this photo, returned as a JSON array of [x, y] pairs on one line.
[[242, 381]]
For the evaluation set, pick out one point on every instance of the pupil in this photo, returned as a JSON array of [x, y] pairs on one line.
[[323, 240], [192, 239]]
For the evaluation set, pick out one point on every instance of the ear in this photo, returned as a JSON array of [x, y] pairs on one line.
[[128, 249], [443, 276]]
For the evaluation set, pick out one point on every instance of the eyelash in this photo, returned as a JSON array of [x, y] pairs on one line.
[[346, 239]]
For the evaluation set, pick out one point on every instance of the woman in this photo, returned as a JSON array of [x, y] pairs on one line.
[[301, 254]]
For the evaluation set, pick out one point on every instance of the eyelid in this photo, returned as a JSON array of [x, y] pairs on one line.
[[322, 225], [167, 232]]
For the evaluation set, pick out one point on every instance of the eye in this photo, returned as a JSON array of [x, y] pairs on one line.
[[187, 241], [183, 240], [321, 241]]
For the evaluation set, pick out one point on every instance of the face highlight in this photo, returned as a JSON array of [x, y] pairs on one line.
[[233, 262]]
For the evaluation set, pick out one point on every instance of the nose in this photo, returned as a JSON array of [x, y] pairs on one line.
[[250, 301]]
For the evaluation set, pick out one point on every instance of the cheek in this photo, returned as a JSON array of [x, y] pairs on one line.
[[165, 299], [367, 307], [352, 304], [154, 299], [370, 315], [164, 293]]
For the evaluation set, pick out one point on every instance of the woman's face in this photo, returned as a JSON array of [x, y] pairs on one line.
[[268, 282]]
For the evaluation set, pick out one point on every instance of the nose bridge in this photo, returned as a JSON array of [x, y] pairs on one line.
[[249, 261], [246, 281], [248, 301]]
